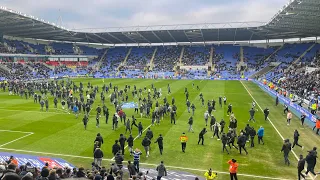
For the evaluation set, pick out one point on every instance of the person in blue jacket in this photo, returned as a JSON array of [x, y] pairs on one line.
[[75, 111], [260, 135]]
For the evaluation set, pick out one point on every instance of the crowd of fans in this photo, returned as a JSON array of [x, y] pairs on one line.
[[167, 58], [10, 170]]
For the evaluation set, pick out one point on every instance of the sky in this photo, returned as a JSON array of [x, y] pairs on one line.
[[83, 14]]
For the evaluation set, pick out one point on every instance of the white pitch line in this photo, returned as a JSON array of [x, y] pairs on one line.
[[295, 155], [134, 139], [16, 131], [175, 167], [16, 140]]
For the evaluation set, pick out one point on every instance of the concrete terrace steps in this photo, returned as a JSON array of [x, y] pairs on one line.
[[152, 58], [103, 57], [124, 61], [301, 56], [210, 61], [265, 70], [275, 52]]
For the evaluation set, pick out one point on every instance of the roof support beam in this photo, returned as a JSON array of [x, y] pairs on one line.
[[102, 38], [235, 34], [187, 36], [88, 37], [143, 37], [202, 36], [157, 36], [29, 26], [38, 33], [115, 37], [172, 36], [129, 37]]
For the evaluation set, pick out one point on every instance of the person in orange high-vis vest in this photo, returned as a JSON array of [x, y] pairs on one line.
[[233, 169], [183, 140], [317, 126]]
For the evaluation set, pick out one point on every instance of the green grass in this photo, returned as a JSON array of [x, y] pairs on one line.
[[60, 133]]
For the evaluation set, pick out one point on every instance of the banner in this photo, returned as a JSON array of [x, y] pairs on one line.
[[295, 108], [35, 161]]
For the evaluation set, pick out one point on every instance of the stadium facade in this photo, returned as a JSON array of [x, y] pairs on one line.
[[297, 19]]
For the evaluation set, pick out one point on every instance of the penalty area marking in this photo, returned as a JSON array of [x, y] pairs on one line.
[[295, 155], [147, 164], [27, 134]]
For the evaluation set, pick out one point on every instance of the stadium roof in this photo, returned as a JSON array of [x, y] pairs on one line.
[[297, 19]]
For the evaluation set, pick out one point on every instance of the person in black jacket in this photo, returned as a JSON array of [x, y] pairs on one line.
[[231, 136], [131, 169], [286, 148], [160, 143], [266, 112], [252, 134], [99, 139], [122, 141], [149, 134], [224, 140], [114, 122], [115, 148], [85, 121], [146, 144], [95, 146], [242, 143], [201, 136], [296, 139], [118, 159], [98, 155], [311, 160], [130, 144], [301, 164]]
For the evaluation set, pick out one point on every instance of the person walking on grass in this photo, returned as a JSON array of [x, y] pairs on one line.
[[289, 117], [260, 134], [296, 139], [317, 126], [146, 144], [242, 139], [286, 148], [224, 140], [136, 159], [252, 112], [301, 164], [160, 143], [233, 169], [201, 136], [162, 171], [183, 140], [190, 122]]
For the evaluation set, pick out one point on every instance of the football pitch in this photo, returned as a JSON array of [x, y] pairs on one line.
[[26, 130]]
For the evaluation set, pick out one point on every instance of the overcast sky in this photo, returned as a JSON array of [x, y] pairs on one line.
[[80, 14]]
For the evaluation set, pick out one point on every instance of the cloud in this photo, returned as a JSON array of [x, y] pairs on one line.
[[81, 14]]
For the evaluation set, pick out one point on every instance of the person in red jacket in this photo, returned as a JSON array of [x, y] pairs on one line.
[[233, 168]]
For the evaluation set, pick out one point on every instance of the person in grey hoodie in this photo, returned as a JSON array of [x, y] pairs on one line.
[[161, 170]]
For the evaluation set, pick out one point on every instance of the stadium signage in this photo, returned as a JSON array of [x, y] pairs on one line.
[[295, 108], [36, 161]]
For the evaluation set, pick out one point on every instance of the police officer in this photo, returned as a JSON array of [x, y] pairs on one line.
[[183, 140]]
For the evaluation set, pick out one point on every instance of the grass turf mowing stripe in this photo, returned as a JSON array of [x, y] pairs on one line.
[[275, 128]]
